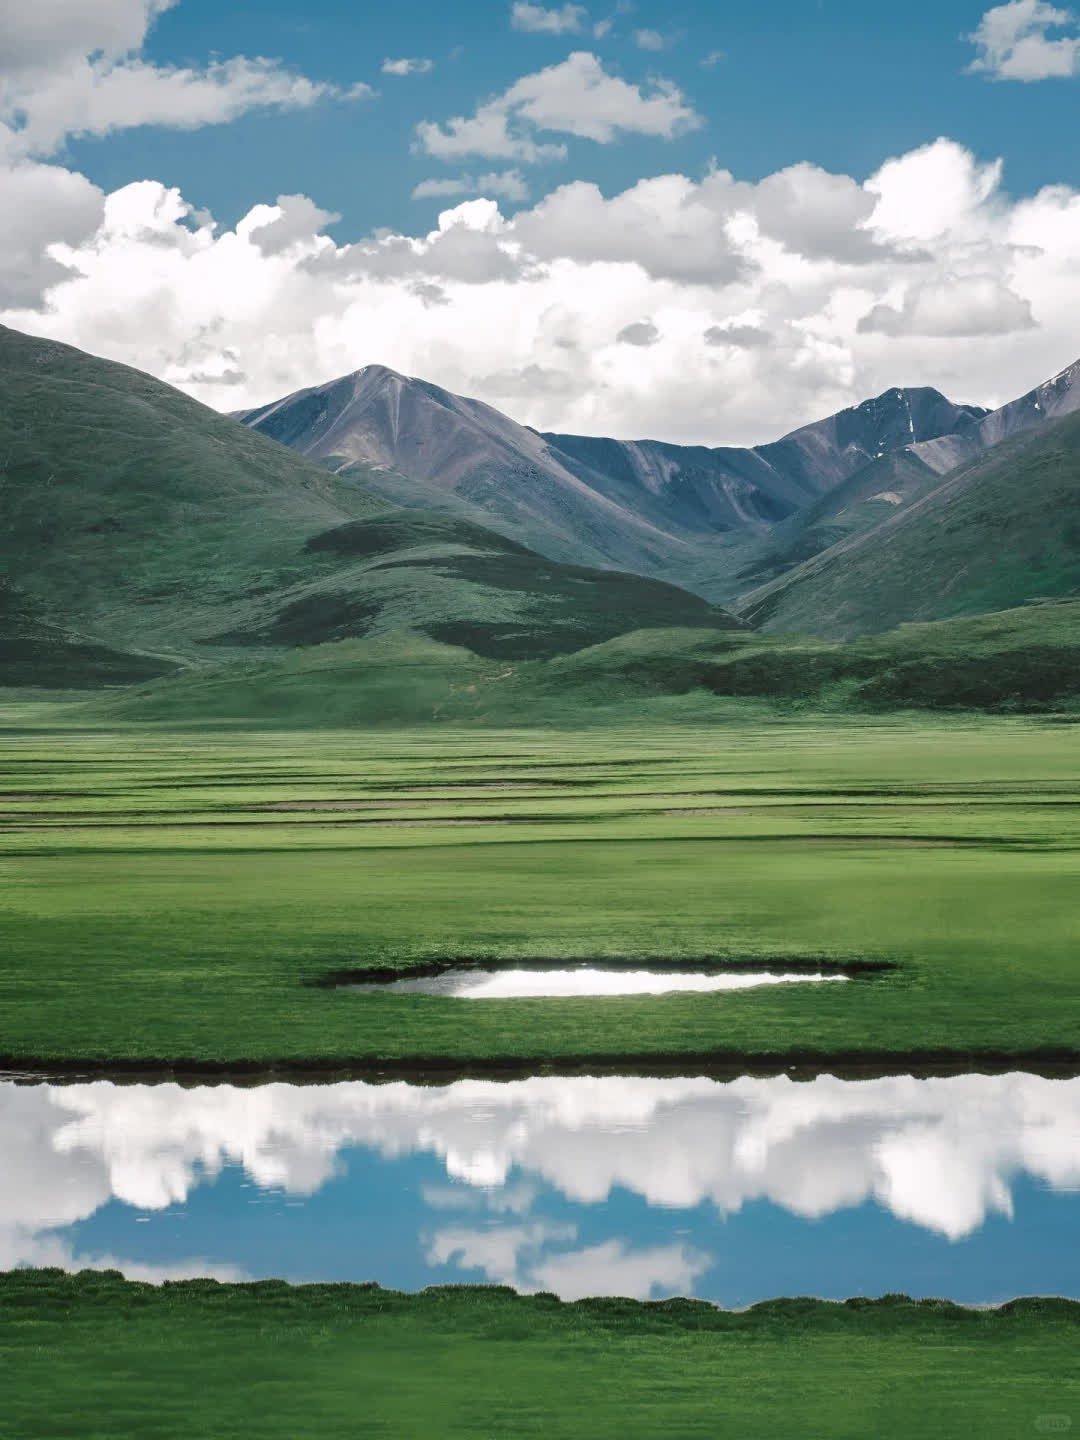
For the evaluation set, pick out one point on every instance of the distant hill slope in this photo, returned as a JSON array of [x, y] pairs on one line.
[[996, 532], [898, 478], [135, 514], [857, 504], [1021, 661], [463, 585], [136, 520], [651, 506]]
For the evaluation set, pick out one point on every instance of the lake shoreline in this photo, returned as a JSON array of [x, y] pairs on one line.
[[676, 1312], [1055, 1064]]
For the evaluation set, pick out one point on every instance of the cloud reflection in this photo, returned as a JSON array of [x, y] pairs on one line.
[[943, 1154]]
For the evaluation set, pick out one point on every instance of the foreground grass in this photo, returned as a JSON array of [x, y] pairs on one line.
[[95, 1357], [177, 897]]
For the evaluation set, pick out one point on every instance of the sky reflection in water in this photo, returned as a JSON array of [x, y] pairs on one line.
[[583, 981], [966, 1187]]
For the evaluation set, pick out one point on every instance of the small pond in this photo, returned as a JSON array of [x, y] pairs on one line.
[[967, 1187], [579, 982]]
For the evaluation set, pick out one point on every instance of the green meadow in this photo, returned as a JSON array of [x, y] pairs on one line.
[[94, 1357], [172, 896]]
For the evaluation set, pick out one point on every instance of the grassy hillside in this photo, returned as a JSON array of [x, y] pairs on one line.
[[464, 585], [137, 520], [860, 503], [135, 514], [1017, 661], [36, 653], [1020, 660], [996, 533]]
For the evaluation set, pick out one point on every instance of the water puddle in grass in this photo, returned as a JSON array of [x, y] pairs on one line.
[[475, 984], [967, 1187]]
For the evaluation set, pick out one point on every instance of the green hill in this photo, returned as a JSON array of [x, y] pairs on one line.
[[34, 652], [858, 504], [137, 520], [996, 533], [464, 585], [135, 515], [1025, 660]]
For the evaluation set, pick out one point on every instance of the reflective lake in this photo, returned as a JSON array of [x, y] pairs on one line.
[[965, 1187], [581, 982]]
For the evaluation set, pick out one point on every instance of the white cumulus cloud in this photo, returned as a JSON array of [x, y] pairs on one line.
[[965, 306], [44, 206], [68, 69], [576, 97], [507, 184], [541, 20], [774, 303], [641, 332], [98, 97], [1022, 40], [296, 219], [579, 97], [46, 33], [408, 67]]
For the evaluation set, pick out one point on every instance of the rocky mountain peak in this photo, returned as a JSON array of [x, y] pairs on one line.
[[900, 417]]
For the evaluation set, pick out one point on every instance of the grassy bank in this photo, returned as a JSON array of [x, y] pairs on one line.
[[170, 897], [94, 1356]]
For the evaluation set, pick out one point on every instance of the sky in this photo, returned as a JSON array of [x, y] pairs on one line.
[[686, 221]]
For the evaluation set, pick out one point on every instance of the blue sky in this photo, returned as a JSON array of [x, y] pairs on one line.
[[692, 222], [837, 82]]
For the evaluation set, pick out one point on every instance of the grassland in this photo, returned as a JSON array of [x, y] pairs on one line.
[[174, 897], [94, 1357]]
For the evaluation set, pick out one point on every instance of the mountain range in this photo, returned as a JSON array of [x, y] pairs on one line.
[[378, 548], [999, 530], [138, 520], [833, 529], [652, 507], [898, 478]]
